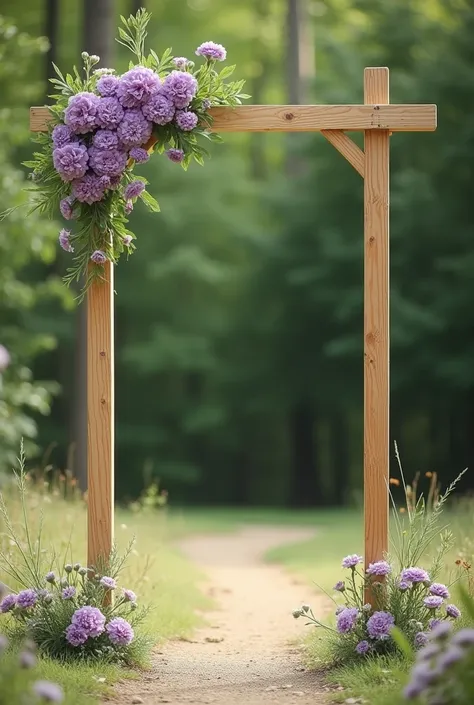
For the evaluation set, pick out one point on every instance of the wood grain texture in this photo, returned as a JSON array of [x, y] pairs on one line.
[[376, 325], [100, 417], [347, 148], [304, 118]]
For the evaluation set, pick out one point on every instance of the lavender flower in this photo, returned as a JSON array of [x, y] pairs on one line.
[[180, 87], [186, 120], [159, 109], [440, 590], [432, 602], [415, 575], [380, 624], [50, 692], [136, 86], [129, 595], [175, 155], [89, 189], [362, 647], [452, 655], [211, 50], [105, 139], [81, 112], [4, 358], [107, 162], [464, 637], [139, 155], [134, 189], [120, 632], [340, 586], [346, 620], [64, 242], [379, 568], [70, 161], [62, 135], [8, 603], [107, 86], [351, 561], [26, 599], [68, 593], [181, 62], [76, 635], [135, 129], [65, 206], [50, 577], [420, 639], [99, 257], [453, 611], [108, 583], [403, 585], [27, 659], [109, 113], [90, 619]]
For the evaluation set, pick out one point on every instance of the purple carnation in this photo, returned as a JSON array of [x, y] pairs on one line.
[[135, 129], [139, 155], [68, 593], [89, 189], [81, 112], [421, 639], [175, 155], [433, 602], [379, 568], [108, 583], [50, 692], [129, 595], [159, 109], [180, 87], [70, 161], [211, 50], [134, 189], [403, 585], [90, 619], [362, 647], [340, 586], [186, 121], [65, 206], [62, 135], [99, 257], [380, 624], [8, 603], [136, 86], [351, 561], [105, 139], [109, 113], [415, 575], [453, 611], [346, 620], [181, 62], [26, 599], [440, 590], [107, 86], [107, 162], [76, 635], [64, 242], [120, 632]]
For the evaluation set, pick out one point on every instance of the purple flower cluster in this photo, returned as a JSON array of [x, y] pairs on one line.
[[119, 631], [351, 561], [414, 576], [347, 619], [86, 622], [379, 568], [108, 583], [26, 599], [8, 603]]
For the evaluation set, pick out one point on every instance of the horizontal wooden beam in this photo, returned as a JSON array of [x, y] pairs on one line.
[[304, 118]]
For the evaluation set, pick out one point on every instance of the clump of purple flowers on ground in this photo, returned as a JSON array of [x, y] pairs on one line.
[[103, 125]]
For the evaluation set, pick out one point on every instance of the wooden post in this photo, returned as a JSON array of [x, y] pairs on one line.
[[376, 323], [100, 417]]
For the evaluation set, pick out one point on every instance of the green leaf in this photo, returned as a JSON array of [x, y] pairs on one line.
[[150, 202]]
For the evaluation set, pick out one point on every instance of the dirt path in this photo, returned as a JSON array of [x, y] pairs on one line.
[[245, 655]]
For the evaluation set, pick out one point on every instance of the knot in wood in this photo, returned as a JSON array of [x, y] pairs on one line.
[[289, 116]]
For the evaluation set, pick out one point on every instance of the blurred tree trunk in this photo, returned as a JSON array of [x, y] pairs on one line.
[[98, 35]]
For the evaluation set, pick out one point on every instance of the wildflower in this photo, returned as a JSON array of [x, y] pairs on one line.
[[27, 659], [346, 620], [160, 108], [71, 161], [50, 577], [107, 85], [107, 162], [4, 358], [414, 575], [108, 583], [175, 155], [68, 593], [134, 189], [432, 602], [127, 239], [8, 603], [379, 568], [340, 586], [420, 639], [99, 257], [180, 87], [81, 112], [296, 613], [136, 86], [90, 619], [65, 206], [77, 567], [89, 189], [82, 571], [181, 62], [440, 590], [75, 635], [120, 632], [186, 120], [105, 139], [403, 585], [453, 611], [380, 624], [109, 113], [50, 692], [135, 129], [139, 155], [62, 135], [26, 599], [362, 647], [129, 596], [212, 51], [351, 561]]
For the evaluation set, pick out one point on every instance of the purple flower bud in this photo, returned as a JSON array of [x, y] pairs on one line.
[[453, 611], [65, 206], [68, 593], [108, 583], [129, 595], [420, 639], [340, 586], [134, 189], [99, 257], [186, 120], [64, 236], [439, 590], [362, 647], [175, 155], [8, 603]]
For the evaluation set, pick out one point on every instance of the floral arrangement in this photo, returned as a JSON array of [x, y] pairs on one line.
[[104, 125]]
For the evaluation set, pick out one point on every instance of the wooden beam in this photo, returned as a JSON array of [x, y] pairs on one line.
[[304, 118], [376, 325], [100, 417], [347, 148]]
